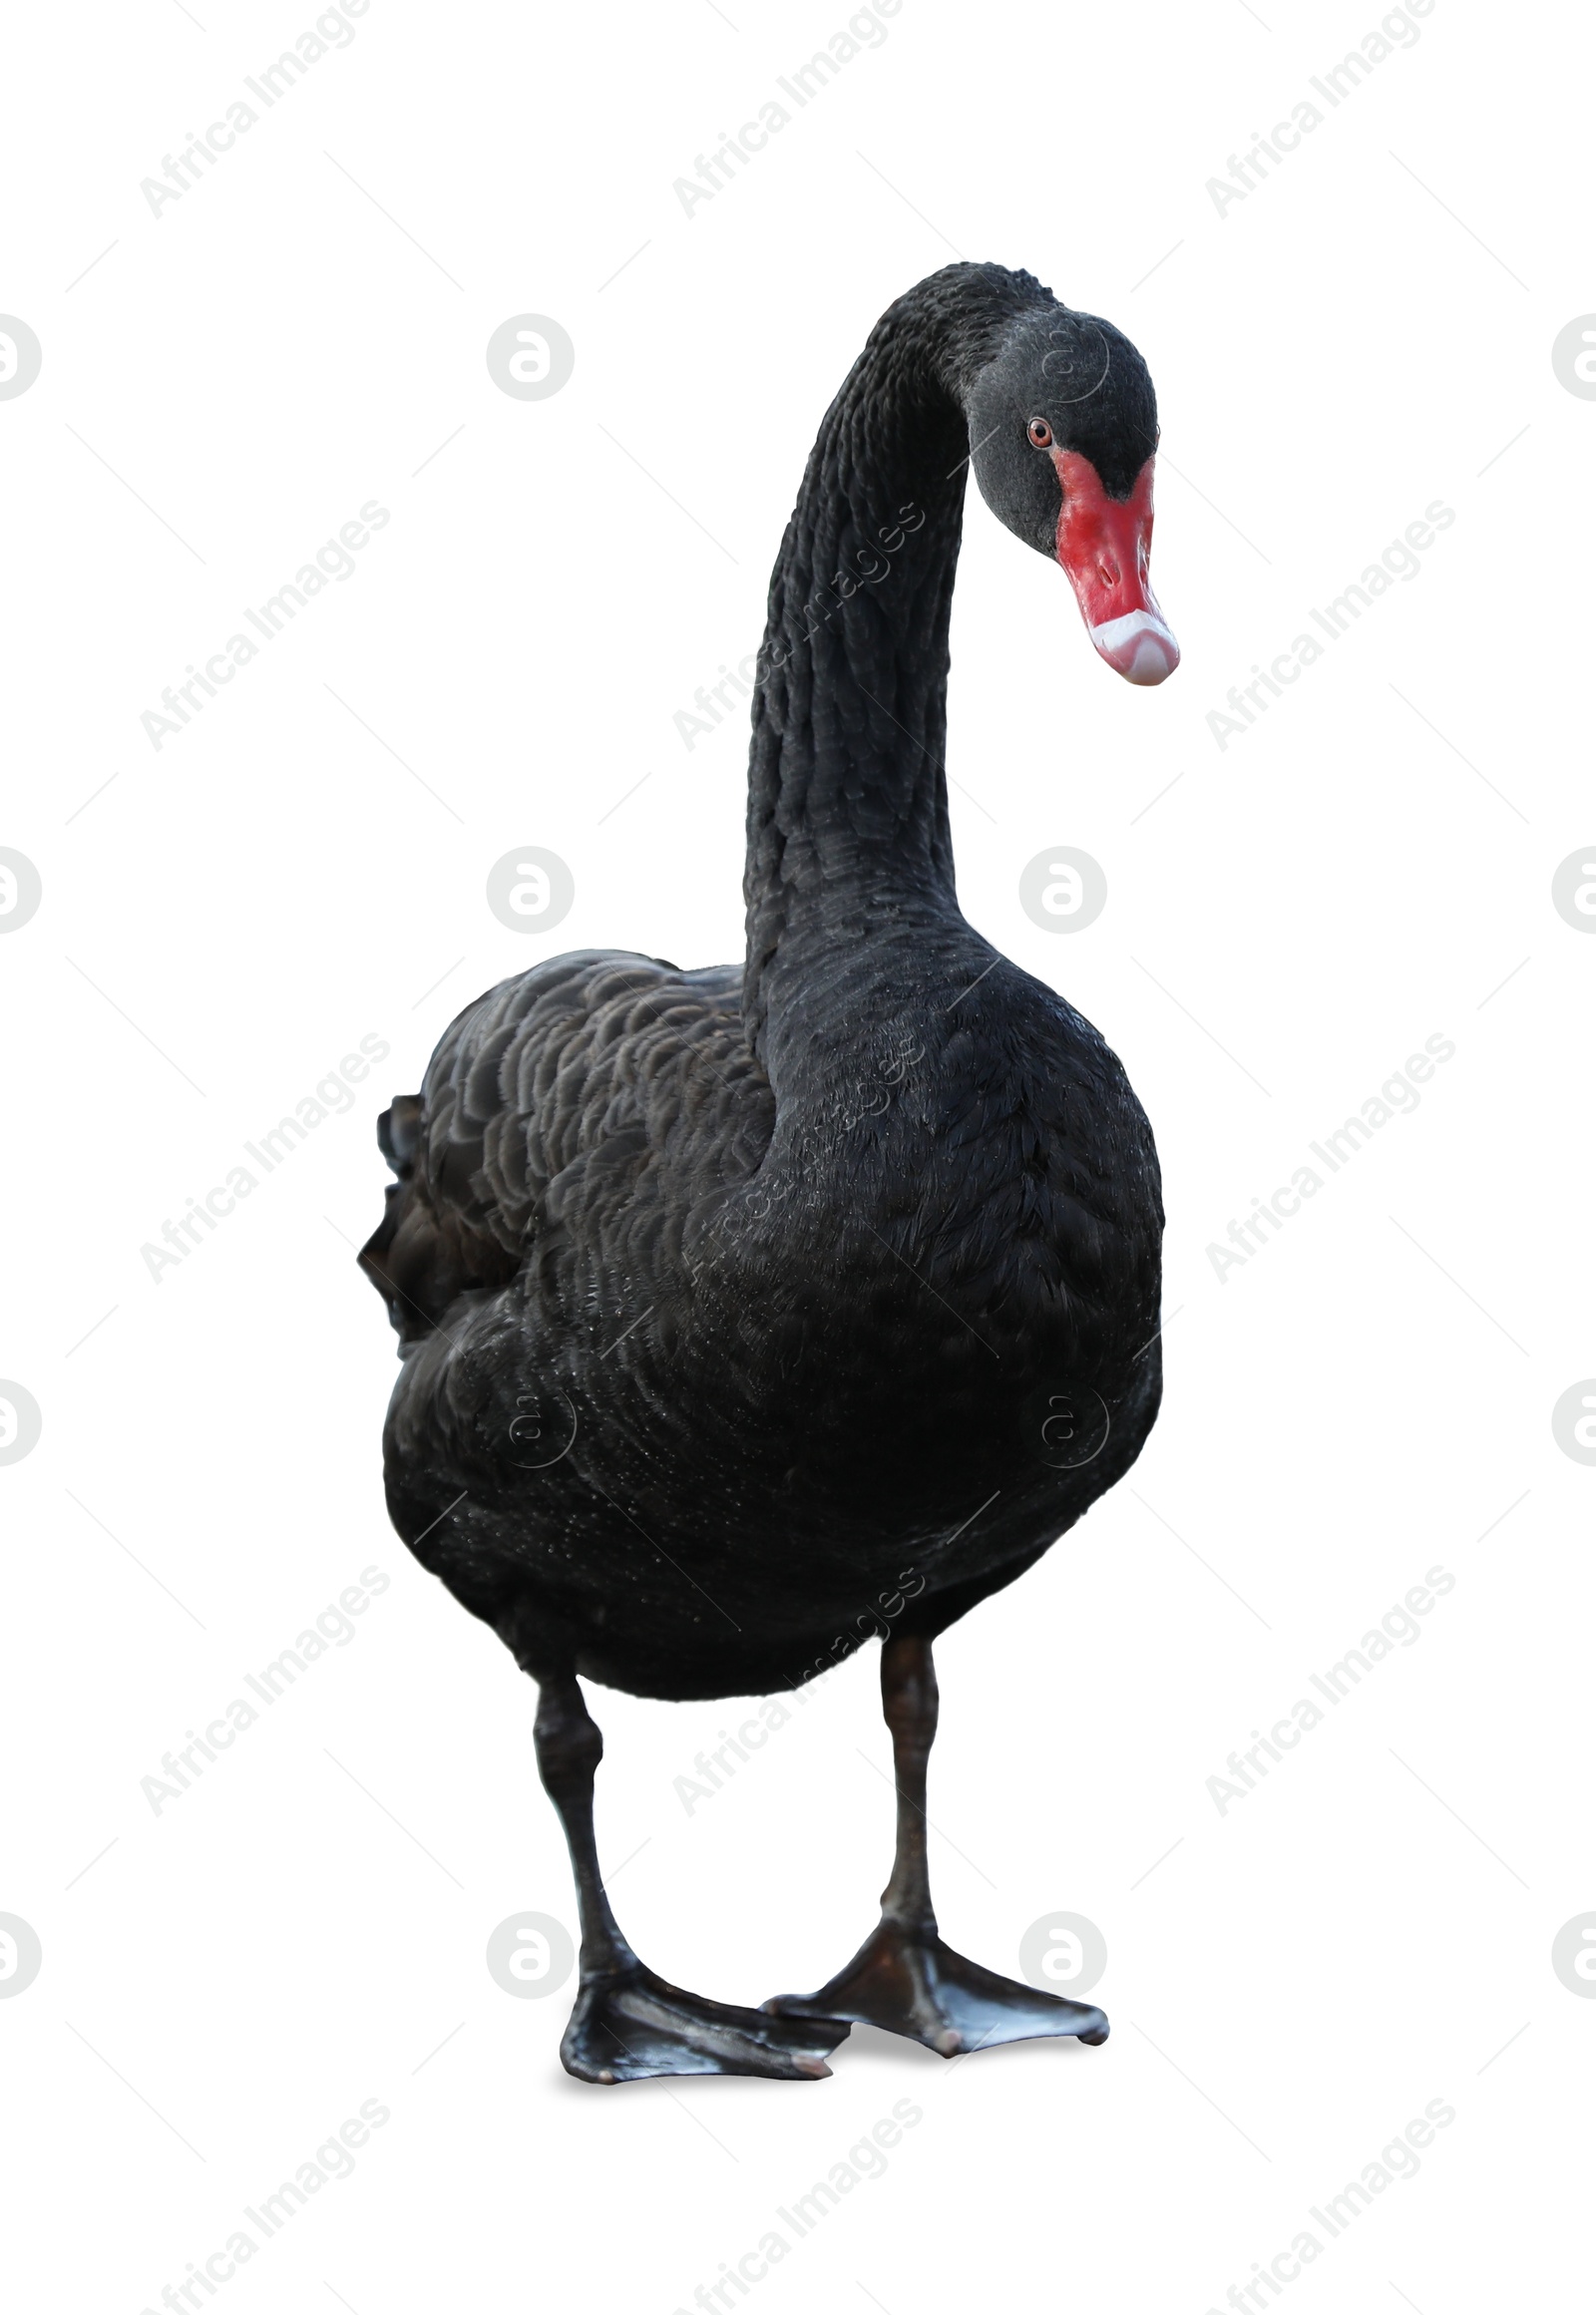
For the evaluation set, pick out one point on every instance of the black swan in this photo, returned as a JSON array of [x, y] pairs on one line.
[[749, 1312]]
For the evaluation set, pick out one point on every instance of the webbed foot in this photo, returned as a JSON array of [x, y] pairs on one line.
[[911, 1983], [630, 2025]]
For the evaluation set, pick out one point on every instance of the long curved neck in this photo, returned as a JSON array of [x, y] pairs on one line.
[[847, 798]]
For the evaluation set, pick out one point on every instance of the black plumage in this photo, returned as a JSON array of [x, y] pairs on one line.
[[746, 1313]]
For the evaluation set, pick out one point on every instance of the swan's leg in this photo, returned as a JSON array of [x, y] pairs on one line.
[[627, 2022], [903, 1978]]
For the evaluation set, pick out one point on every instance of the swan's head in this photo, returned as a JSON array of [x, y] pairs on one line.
[[1063, 425]]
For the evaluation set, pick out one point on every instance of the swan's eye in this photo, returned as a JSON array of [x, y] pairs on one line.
[[1041, 433]]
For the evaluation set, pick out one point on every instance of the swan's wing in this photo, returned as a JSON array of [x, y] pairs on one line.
[[571, 1096]]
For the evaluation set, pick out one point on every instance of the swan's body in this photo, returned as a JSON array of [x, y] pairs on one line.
[[749, 1313]]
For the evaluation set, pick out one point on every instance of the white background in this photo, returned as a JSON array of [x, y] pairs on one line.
[[1369, 1397]]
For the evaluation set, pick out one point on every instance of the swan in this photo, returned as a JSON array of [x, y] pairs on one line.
[[750, 1312]]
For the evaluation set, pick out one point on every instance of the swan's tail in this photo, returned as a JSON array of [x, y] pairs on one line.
[[418, 1258], [399, 1134], [399, 1139]]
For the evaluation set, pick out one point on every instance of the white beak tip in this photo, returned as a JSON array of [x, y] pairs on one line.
[[1138, 646]]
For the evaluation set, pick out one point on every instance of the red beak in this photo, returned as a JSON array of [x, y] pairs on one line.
[[1104, 546]]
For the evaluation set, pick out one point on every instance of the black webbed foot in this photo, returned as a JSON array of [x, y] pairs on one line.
[[909, 1982], [630, 2025]]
